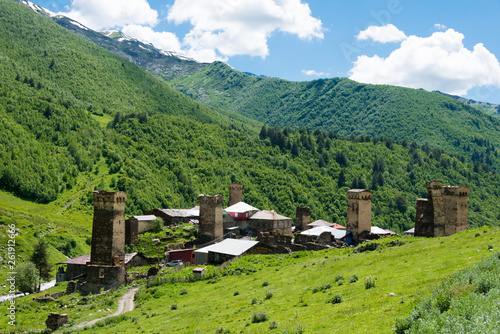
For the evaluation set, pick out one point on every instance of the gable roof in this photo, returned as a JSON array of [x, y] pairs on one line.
[[229, 246], [181, 212], [321, 222], [316, 231], [240, 207], [381, 231], [268, 215], [82, 260]]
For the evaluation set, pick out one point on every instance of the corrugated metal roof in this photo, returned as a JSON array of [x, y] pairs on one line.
[[82, 260], [181, 212], [78, 260], [321, 222], [316, 231], [145, 218], [381, 231], [229, 246], [240, 207], [268, 215]]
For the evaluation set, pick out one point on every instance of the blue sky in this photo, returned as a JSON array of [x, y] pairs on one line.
[[445, 45]]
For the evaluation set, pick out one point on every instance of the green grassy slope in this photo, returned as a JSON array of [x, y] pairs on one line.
[[347, 108], [296, 294]]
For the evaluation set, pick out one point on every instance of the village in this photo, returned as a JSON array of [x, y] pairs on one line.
[[239, 229]]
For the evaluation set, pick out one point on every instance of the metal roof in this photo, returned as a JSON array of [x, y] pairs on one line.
[[240, 207], [321, 222], [145, 218], [268, 215], [381, 231], [82, 260], [181, 212], [229, 246], [316, 231]]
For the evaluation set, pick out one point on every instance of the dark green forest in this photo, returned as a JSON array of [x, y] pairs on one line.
[[71, 111], [349, 108]]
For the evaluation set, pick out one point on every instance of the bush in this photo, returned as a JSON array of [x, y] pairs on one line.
[[335, 299], [273, 325], [183, 292], [370, 282], [265, 283], [353, 279], [269, 295], [254, 301], [236, 293], [322, 287], [259, 317]]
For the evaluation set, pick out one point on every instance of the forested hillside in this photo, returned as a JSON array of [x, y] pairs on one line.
[[76, 117], [350, 108]]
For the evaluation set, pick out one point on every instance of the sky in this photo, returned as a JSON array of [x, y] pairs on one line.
[[450, 46]]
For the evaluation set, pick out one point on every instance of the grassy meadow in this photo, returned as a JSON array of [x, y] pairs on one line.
[[305, 292]]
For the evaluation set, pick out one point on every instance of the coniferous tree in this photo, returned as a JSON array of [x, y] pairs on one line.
[[40, 258]]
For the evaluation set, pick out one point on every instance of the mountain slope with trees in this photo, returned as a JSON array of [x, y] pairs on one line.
[[350, 108]]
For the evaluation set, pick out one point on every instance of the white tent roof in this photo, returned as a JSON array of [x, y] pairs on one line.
[[240, 207], [316, 231], [229, 246]]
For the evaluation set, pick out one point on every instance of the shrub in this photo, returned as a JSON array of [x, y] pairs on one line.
[[254, 301], [353, 279], [338, 278], [269, 295], [322, 287], [273, 325], [336, 299], [259, 317], [236, 293], [370, 282], [173, 307], [183, 291], [265, 283]]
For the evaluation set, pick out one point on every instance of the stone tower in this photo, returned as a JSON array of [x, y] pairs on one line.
[[445, 211], [235, 193], [108, 229], [359, 211], [302, 217], [106, 269], [211, 225], [456, 211]]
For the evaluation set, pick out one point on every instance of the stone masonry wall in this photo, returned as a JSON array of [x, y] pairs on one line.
[[210, 223], [302, 218], [235, 193]]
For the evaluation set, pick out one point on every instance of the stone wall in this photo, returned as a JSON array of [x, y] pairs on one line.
[[210, 226], [102, 278], [445, 212], [131, 232], [235, 193]]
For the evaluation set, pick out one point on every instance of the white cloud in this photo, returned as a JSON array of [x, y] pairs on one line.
[[162, 40], [382, 34], [314, 73], [225, 28], [102, 14], [439, 62], [439, 26]]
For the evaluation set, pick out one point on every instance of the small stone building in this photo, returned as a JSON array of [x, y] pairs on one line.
[[359, 211], [444, 212], [270, 221]]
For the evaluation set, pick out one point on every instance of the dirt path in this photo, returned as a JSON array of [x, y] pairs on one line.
[[125, 304]]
